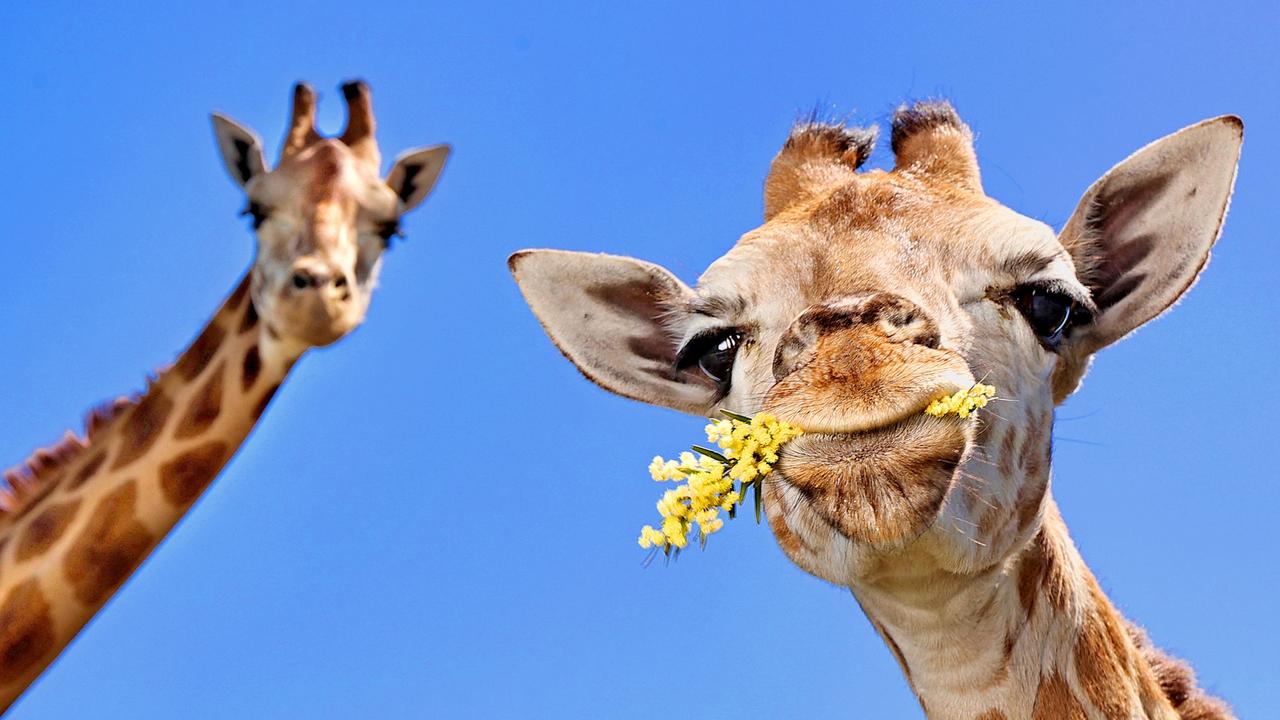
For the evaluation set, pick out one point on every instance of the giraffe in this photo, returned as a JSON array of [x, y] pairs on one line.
[[865, 294], [79, 517]]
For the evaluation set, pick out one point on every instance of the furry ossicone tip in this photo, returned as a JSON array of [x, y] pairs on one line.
[[850, 145], [921, 116]]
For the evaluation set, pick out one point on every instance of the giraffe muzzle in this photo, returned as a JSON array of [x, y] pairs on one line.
[[316, 303]]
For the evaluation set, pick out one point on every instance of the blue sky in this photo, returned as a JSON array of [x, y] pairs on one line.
[[437, 517]]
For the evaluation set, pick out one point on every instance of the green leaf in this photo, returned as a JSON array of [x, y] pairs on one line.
[[735, 416], [711, 454], [759, 500]]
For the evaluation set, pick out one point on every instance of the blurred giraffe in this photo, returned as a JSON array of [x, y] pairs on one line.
[[79, 517]]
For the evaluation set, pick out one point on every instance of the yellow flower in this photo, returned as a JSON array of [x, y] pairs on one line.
[[651, 538], [963, 403], [715, 481]]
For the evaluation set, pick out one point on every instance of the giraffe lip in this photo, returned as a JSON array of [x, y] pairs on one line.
[[911, 435], [908, 424], [877, 420]]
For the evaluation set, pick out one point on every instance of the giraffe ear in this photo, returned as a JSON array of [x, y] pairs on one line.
[[612, 317], [415, 172], [241, 149], [1142, 233]]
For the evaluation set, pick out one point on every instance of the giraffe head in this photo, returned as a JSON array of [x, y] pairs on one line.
[[323, 215], [867, 293]]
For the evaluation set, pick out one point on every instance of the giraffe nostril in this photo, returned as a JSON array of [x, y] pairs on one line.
[[340, 281]]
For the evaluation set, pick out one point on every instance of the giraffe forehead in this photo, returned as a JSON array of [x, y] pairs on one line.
[[328, 182], [862, 238]]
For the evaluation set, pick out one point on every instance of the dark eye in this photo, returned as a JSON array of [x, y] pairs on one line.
[[257, 212], [713, 352], [389, 230], [1048, 313]]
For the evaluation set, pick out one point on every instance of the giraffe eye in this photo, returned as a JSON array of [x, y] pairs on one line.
[[1048, 313], [713, 352], [257, 212], [389, 230]]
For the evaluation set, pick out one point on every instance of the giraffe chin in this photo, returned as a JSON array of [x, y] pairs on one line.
[[316, 324], [880, 487]]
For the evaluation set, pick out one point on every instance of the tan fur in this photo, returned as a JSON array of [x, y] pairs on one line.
[[81, 515], [864, 295]]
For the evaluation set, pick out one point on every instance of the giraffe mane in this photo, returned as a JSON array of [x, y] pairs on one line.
[[1178, 681], [28, 481]]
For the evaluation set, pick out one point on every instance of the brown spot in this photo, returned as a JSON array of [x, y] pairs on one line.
[[186, 476], [992, 520], [45, 529], [1036, 448], [1042, 574], [271, 331], [1054, 701], [1100, 669], [111, 545], [1030, 496], [264, 400], [238, 295], [142, 426], [205, 406], [26, 631], [1057, 585], [33, 494], [250, 319], [251, 367], [1008, 448], [197, 357], [1001, 672], [87, 470], [992, 714]]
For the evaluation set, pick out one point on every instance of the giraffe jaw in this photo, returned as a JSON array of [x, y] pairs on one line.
[[881, 486]]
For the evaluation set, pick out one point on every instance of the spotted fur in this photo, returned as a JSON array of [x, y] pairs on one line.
[[864, 295], [77, 518]]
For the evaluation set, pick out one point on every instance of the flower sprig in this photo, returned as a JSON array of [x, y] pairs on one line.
[[718, 481], [715, 482], [963, 403]]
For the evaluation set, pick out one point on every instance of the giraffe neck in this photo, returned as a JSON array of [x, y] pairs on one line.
[[1031, 637], [91, 521]]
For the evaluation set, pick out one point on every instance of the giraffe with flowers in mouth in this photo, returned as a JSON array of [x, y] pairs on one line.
[[864, 296]]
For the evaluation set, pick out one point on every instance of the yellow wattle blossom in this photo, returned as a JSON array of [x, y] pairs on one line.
[[714, 482], [963, 403]]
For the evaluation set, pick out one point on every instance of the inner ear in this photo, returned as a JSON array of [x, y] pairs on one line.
[[616, 319], [241, 149], [1142, 233], [415, 172]]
